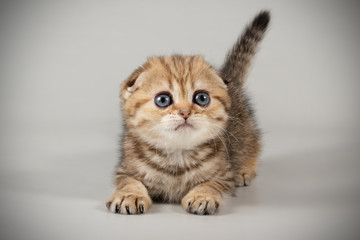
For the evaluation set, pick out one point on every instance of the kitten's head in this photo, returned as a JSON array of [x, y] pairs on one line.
[[175, 102]]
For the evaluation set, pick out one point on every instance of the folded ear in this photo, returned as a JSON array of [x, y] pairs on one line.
[[132, 83]]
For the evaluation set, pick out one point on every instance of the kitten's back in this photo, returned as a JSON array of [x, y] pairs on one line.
[[243, 135]]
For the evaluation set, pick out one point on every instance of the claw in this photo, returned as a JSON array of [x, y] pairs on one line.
[[127, 209], [141, 208], [205, 208]]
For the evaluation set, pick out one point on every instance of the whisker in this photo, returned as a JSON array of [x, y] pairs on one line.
[[226, 132], [236, 120], [219, 136]]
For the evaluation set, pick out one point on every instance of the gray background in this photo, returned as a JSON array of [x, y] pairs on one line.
[[62, 63]]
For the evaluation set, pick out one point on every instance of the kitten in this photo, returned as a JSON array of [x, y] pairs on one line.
[[189, 133]]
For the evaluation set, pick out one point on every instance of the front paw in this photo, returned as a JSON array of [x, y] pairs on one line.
[[200, 203], [128, 203]]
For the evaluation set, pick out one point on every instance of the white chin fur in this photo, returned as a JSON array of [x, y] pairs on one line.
[[172, 137], [186, 138]]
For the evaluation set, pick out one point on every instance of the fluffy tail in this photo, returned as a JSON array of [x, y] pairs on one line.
[[238, 60]]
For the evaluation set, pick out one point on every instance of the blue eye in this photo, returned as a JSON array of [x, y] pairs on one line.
[[201, 99], [163, 100]]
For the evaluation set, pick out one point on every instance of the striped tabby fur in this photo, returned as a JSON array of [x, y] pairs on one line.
[[187, 153]]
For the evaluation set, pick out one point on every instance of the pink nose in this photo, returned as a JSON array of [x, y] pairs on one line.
[[185, 112]]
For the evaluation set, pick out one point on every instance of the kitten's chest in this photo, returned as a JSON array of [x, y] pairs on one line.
[[171, 176]]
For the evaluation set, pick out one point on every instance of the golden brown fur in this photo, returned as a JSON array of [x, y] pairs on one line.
[[184, 152]]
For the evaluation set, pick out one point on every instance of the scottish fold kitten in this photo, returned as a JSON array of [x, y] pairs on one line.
[[189, 133]]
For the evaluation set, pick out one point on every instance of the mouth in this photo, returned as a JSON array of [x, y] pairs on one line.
[[184, 126]]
